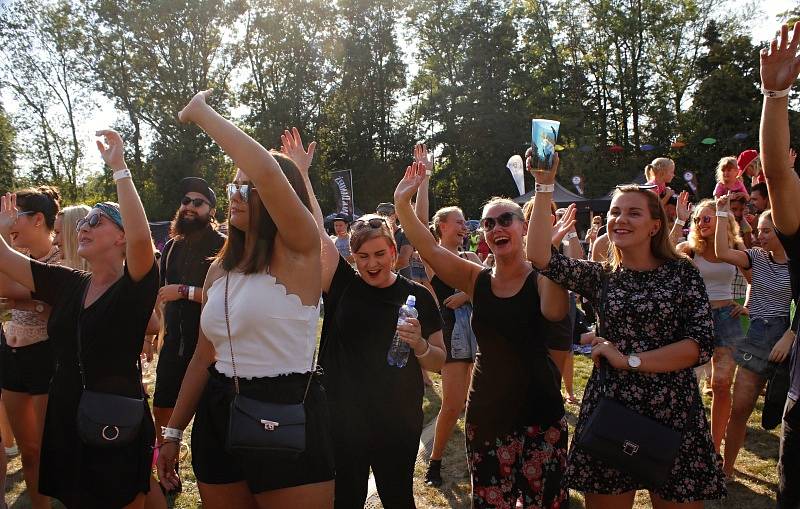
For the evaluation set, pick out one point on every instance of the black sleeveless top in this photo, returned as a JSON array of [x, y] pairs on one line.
[[514, 383], [442, 292]]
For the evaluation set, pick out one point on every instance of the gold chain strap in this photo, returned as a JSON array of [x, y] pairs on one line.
[[228, 326]]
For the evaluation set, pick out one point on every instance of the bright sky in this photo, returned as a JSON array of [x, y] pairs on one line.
[[763, 25]]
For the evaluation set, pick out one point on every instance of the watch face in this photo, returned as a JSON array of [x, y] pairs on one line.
[[634, 361]]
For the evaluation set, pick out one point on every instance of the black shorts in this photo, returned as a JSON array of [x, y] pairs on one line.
[[169, 375], [213, 464], [27, 369], [559, 335]]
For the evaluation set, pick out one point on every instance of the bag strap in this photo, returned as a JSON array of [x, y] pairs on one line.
[[233, 360]]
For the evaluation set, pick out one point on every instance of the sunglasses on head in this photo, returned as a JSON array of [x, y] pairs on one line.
[[196, 202], [704, 219], [243, 190], [92, 220], [374, 223], [505, 219]]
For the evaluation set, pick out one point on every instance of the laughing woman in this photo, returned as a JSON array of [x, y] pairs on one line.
[[515, 426], [659, 325], [96, 325]]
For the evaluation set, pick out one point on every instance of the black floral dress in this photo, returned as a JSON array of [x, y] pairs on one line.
[[644, 311]]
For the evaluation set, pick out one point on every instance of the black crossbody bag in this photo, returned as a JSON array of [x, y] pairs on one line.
[[259, 426], [624, 439], [106, 420]]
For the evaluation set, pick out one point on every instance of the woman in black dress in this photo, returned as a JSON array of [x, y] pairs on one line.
[[659, 327], [515, 426], [113, 304]]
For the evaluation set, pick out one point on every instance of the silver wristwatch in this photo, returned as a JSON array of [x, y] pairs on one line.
[[634, 362]]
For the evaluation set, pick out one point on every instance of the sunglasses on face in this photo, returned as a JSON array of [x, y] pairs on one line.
[[703, 219], [374, 223], [505, 219], [243, 190], [92, 220], [196, 202]]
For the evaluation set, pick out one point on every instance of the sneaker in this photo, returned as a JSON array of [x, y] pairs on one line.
[[433, 477], [12, 451]]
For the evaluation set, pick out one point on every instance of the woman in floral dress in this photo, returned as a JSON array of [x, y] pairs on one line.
[[659, 327]]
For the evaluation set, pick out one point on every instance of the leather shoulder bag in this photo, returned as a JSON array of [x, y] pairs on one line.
[[260, 426], [105, 420], [624, 439]]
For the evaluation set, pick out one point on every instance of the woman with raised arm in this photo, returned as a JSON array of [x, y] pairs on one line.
[[257, 337], [770, 337], [718, 276], [26, 356], [659, 326], [96, 324], [376, 408], [515, 426]]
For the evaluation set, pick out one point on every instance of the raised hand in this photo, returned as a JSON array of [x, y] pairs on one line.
[[411, 181], [780, 64], [292, 147], [542, 176], [564, 225], [113, 150], [421, 155], [682, 209], [792, 157], [723, 203], [8, 213], [196, 103]]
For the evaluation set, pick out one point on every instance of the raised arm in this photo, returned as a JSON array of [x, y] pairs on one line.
[[721, 247], [296, 225], [682, 211], [422, 205], [139, 250], [540, 228], [454, 271], [15, 266], [292, 147], [779, 69]]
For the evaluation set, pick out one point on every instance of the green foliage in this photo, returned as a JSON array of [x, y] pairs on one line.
[[7, 152]]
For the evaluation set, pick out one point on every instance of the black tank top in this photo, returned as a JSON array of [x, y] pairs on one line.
[[514, 383], [442, 292]]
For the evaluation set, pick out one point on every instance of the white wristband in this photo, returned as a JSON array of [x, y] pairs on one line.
[[570, 236], [680, 222], [191, 292], [544, 188], [122, 174], [774, 94], [721, 213], [427, 350], [172, 433]]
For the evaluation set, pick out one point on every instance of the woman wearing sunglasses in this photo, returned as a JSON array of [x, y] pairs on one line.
[[515, 426], [376, 409], [26, 355], [257, 336], [718, 277], [96, 324], [659, 325], [770, 336]]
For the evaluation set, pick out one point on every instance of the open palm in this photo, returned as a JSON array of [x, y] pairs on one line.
[[780, 64], [411, 181], [292, 147]]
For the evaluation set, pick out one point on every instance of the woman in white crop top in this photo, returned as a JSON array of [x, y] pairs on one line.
[[26, 356], [269, 273], [718, 277]]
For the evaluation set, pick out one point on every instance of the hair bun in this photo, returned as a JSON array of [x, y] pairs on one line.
[[51, 192]]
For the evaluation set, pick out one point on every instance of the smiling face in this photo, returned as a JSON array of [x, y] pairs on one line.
[[706, 222], [453, 228], [103, 238], [374, 261], [504, 240], [630, 223], [767, 239]]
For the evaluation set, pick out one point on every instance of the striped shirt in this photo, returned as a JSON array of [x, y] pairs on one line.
[[771, 292]]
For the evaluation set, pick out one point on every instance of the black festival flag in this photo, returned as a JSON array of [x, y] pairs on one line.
[[342, 182]]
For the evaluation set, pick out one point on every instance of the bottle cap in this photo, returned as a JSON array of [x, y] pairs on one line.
[[411, 301]]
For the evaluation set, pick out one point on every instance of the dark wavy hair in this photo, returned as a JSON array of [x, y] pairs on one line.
[[259, 241], [41, 200]]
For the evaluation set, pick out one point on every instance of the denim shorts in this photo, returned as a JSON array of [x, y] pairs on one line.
[[754, 351], [727, 328]]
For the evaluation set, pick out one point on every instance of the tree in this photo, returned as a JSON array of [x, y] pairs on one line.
[[7, 152]]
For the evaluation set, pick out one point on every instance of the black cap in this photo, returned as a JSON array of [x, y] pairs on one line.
[[198, 185], [341, 217]]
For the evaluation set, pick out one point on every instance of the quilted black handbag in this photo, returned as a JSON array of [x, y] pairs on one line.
[[259, 426], [624, 439], [105, 420]]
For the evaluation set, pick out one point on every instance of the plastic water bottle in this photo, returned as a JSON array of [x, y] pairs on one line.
[[398, 352]]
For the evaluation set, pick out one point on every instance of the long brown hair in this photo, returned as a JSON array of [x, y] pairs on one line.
[[660, 244], [259, 241]]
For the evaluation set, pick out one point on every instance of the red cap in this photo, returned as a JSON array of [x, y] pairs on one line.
[[745, 158]]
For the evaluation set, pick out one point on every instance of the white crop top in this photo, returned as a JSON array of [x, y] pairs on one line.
[[718, 278], [272, 332]]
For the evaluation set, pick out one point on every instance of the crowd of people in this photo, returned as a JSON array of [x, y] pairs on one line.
[[280, 417]]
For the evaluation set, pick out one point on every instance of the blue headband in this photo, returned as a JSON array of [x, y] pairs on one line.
[[111, 210]]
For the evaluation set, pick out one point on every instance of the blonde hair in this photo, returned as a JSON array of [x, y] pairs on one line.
[[527, 209], [697, 242], [69, 236], [724, 163], [441, 216], [358, 236], [657, 167], [499, 200], [660, 244]]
